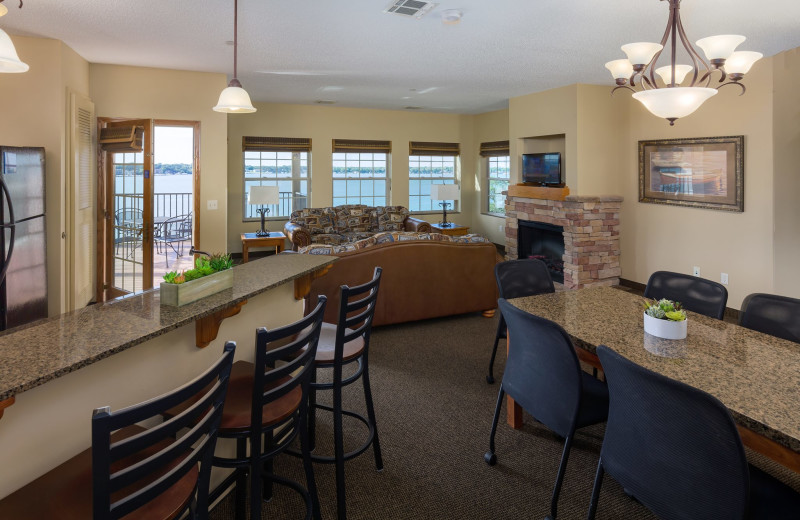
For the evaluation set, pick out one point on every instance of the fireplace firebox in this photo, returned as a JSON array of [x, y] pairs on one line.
[[544, 242]]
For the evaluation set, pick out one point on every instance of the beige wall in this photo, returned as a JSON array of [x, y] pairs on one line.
[[322, 124], [786, 187], [33, 107], [138, 92], [491, 126]]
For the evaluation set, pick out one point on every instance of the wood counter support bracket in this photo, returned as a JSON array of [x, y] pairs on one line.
[[206, 329], [302, 285], [5, 404], [770, 449]]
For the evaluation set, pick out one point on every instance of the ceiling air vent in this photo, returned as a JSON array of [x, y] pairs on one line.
[[410, 8]]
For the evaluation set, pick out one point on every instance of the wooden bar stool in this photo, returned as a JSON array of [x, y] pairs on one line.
[[133, 472]]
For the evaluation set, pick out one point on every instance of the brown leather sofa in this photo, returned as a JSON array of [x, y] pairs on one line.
[[421, 279]]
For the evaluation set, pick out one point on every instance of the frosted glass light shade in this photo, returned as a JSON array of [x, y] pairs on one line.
[[3, 9], [234, 100], [674, 103], [641, 53], [720, 47], [741, 61], [444, 192], [620, 69], [263, 195], [680, 73], [9, 61]]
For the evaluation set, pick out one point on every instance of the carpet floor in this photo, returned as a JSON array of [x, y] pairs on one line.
[[434, 411]]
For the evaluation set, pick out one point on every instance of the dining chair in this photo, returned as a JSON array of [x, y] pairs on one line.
[[677, 450], [266, 410], [772, 314], [695, 294], [132, 471], [543, 375], [516, 279], [340, 345]]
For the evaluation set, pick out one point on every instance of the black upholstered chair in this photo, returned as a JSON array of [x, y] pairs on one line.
[[515, 279], [677, 450], [341, 345], [772, 314], [695, 294], [137, 472], [266, 410], [543, 376]]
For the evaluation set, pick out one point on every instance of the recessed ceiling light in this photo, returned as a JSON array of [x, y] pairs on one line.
[[451, 16], [324, 102]]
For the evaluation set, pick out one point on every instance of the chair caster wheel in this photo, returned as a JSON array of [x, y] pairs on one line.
[[490, 458], [490, 380]]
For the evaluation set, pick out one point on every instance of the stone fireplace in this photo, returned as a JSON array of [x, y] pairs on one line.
[[590, 234]]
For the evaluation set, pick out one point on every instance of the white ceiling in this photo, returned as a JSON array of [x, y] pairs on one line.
[[350, 52]]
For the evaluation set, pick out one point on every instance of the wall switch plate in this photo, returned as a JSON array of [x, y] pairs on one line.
[[211, 204], [500, 227], [695, 269], [723, 278]]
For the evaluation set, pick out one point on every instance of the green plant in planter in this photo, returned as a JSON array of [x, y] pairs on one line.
[[203, 266], [665, 310]]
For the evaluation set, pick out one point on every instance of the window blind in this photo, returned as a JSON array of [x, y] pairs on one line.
[[361, 146], [121, 139], [494, 149], [423, 148], [275, 144]]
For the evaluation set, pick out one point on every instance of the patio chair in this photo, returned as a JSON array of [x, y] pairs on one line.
[[174, 232], [126, 221]]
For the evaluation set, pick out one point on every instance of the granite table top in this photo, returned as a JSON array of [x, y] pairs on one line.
[[36, 353], [757, 376]]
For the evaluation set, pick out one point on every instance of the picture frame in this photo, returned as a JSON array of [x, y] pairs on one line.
[[703, 172]]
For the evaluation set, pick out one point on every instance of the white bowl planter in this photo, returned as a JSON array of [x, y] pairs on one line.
[[665, 328], [188, 292]]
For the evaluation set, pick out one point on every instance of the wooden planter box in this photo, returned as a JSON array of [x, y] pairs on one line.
[[176, 295]]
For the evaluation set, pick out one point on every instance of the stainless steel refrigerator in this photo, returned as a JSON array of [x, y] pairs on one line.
[[23, 240]]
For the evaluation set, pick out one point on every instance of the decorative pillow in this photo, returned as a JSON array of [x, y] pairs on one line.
[[352, 217], [316, 220], [391, 218]]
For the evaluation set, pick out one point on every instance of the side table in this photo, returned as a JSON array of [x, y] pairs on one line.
[[453, 231], [275, 239]]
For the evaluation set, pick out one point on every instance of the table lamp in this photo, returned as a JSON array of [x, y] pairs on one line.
[[263, 196], [444, 192]]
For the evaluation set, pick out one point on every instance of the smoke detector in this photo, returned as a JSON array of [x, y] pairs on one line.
[[409, 8]]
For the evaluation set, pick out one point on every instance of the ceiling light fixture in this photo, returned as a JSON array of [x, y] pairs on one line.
[[234, 99], [451, 16], [9, 61], [671, 100]]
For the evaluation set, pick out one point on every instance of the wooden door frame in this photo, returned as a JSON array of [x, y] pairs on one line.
[[103, 214]]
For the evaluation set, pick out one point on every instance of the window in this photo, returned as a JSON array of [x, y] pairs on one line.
[[498, 170], [281, 162], [361, 172], [430, 163]]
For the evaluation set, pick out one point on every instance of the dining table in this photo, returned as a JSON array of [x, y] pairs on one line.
[[755, 375]]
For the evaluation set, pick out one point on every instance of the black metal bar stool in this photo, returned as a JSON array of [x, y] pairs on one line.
[[266, 409], [340, 345], [136, 472]]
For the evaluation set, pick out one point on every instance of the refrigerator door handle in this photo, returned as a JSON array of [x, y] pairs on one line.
[[10, 225]]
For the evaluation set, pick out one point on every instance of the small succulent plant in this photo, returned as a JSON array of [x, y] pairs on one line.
[[665, 310], [203, 266]]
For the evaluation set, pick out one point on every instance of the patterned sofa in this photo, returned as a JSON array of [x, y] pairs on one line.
[[348, 223], [425, 275]]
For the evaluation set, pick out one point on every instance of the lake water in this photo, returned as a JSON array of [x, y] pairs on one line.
[[162, 183]]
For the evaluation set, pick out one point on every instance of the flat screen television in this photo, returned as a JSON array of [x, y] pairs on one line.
[[543, 169]]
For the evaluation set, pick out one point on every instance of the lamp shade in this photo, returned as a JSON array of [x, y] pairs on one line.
[[444, 192], [620, 69], [674, 103], [641, 53], [3, 9], [680, 73], [741, 61], [263, 195], [234, 100], [720, 47], [9, 61]]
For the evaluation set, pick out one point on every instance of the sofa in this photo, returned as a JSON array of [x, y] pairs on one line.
[[347, 223], [425, 275]]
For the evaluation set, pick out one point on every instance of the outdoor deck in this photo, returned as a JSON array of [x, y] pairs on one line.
[[128, 265]]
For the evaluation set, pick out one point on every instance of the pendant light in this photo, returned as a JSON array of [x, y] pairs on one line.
[[234, 99], [9, 61]]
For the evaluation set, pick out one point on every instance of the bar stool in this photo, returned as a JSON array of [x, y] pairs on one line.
[[133, 472], [266, 410], [340, 345]]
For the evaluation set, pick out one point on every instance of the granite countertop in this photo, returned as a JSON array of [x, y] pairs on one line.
[[755, 375], [36, 353]]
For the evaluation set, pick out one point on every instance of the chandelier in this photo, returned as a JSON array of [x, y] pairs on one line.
[[670, 100]]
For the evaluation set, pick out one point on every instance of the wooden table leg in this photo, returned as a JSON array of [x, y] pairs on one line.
[[245, 255], [513, 410]]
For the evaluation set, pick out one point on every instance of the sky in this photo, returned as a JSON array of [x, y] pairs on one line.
[[173, 144]]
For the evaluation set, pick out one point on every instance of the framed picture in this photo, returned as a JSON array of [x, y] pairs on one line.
[[706, 172]]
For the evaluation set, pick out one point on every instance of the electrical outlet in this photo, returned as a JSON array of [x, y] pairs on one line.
[[723, 278], [696, 271], [211, 204], [500, 227]]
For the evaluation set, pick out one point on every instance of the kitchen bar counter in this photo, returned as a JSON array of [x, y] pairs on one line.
[[39, 352]]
